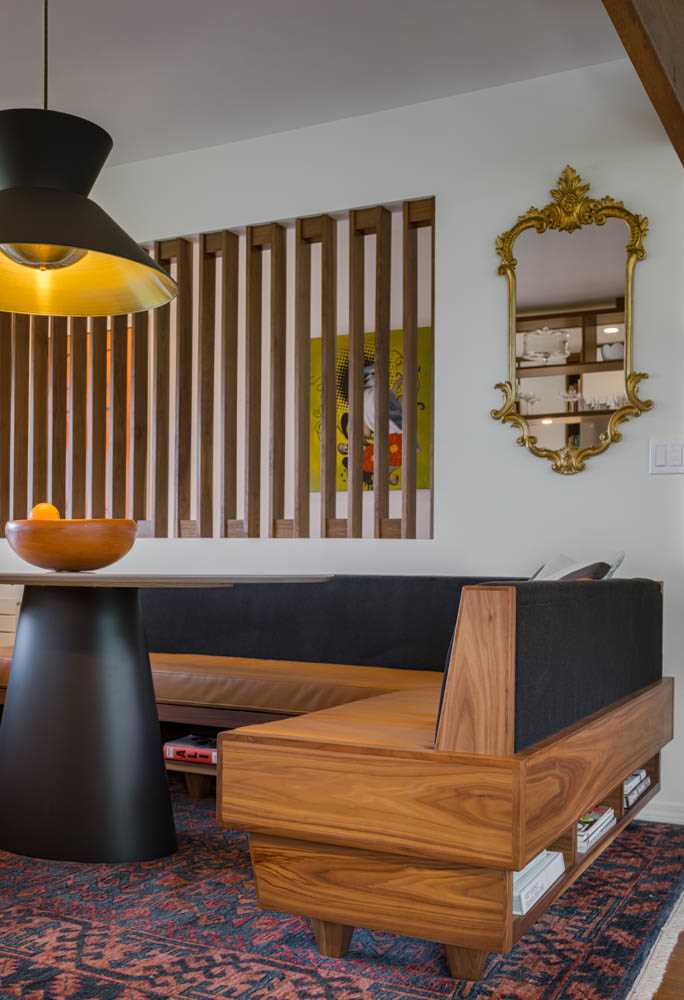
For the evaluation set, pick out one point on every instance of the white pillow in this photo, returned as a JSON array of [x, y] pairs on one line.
[[562, 567]]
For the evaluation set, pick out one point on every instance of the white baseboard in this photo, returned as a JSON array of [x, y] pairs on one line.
[[663, 812]]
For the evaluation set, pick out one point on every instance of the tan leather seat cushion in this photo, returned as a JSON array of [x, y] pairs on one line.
[[266, 685]]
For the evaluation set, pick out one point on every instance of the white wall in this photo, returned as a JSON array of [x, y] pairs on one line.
[[487, 157]]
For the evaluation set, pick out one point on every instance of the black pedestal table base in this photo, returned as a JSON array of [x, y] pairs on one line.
[[81, 770]]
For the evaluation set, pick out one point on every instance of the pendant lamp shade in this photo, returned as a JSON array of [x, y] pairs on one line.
[[60, 253]]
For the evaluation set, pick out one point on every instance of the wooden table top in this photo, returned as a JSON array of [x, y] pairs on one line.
[[99, 578]]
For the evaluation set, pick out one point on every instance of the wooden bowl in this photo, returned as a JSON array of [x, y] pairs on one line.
[[71, 545]]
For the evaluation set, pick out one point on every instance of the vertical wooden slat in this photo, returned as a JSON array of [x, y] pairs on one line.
[[20, 395], [433, 233], [356, 324], [207, 320], [98, 416], [183, 381], [230, 244], [383, 277], [118, 412], [78, 388], [139, 414], [58, 418], [161, 326], [252, 386], [5, 416], [302, 378], [277, 395], [328, 362], [409, 397], [39, 364]]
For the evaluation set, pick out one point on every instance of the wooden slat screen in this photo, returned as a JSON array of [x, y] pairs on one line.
[[213, 422]]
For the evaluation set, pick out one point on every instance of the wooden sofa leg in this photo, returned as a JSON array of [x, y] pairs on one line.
[[199, 786], [465, 963], [333, 940]]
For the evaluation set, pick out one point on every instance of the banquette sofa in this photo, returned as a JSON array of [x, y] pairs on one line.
[[397, 747]]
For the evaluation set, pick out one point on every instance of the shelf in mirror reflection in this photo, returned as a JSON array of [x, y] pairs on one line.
[[581, 368], [583, 416]]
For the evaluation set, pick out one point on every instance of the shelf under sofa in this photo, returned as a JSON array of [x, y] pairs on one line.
[[521, 924]]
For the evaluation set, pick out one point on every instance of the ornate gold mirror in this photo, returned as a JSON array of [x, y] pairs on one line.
[[570, 339]]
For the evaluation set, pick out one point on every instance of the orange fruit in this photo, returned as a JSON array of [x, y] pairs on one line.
[[44, 512]]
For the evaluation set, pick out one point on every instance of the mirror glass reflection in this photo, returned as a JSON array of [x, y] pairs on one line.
[[570, 331]]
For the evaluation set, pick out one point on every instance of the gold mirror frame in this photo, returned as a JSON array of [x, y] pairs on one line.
[[571, 209]]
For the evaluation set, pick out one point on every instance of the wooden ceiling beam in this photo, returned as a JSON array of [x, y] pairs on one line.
[[652, 32]]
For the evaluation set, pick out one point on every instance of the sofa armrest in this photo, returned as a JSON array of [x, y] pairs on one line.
[[530, 659]]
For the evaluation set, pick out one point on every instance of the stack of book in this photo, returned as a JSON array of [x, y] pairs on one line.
[[535, 879], [635, 786], [592, 826]]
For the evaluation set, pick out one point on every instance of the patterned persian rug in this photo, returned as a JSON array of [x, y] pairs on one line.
[[189, 927]]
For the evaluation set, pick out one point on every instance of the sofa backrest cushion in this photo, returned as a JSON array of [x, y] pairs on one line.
[[580, 646], [388, 621]]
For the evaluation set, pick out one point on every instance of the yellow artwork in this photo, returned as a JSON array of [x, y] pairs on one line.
[[396, 369]]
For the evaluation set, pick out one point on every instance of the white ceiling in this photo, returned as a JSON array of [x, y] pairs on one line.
[[165, 76]]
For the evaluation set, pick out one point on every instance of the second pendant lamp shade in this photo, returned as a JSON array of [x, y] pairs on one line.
[[60, 253]]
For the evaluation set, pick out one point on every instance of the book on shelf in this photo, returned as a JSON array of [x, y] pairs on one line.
[[592, 825], [535, 879], [633, 780], [192, 749], [637, 791]]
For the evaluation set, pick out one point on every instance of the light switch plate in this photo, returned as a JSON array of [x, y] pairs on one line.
[[666, 457]]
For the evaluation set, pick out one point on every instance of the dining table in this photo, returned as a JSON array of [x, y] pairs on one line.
[[82, 776]]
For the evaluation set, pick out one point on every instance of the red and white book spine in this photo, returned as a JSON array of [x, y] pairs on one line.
[[190, 754]]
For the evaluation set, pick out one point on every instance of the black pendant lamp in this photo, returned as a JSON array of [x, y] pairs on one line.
[[60, 253]]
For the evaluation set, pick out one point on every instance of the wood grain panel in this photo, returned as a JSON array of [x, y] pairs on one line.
[[421, 804], [355, 391], [184, 391], [566, 775], [118, 412], [302, 379], [207, 352], [409, 397], [465, 905], [383, 279], [139, 414], [229, 249], [20, 416], [328, 239], [98, 416], [39, 363], [78, 334], [5, 417], [252, 498], [478, 707], [161, 320], [277, 380], [58, 412]]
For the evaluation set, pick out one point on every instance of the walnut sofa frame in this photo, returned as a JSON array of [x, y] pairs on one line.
[[362, 816]]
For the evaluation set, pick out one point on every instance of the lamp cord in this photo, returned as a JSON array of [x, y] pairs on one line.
[[45, 55]]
